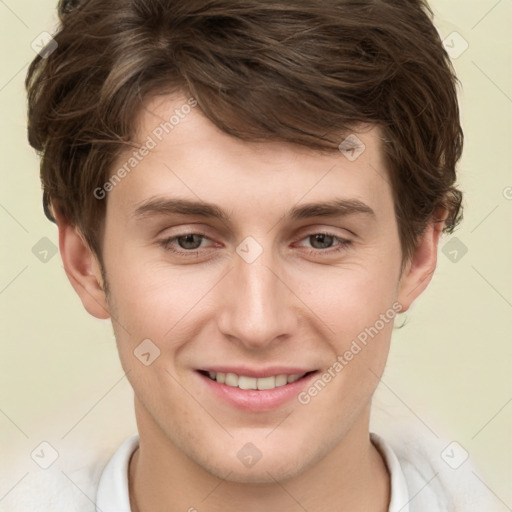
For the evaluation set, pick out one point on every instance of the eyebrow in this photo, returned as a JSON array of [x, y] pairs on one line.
[[167, 206]]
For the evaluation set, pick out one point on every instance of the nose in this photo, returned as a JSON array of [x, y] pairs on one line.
[[257, 304]]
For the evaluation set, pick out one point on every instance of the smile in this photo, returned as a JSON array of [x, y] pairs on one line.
[[262, 383], [253, 393]]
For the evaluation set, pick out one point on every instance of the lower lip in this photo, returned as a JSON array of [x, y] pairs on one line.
[[255, 400]]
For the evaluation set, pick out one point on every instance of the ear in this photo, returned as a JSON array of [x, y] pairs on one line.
[[82, 268], [420, 268]]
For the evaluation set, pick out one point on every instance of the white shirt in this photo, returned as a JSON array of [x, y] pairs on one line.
[[427, 475]]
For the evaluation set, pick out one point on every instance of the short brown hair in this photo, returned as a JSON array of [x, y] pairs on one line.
[[300, 71]]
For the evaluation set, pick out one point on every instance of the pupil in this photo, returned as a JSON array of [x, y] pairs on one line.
[[322, 239], [188, 239]]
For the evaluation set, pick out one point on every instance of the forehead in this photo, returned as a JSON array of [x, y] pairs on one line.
[[187, 156]]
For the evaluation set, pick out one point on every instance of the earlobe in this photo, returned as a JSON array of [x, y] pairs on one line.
[[82, 268], [420, 269]]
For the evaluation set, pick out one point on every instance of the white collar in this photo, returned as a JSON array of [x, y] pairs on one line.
[[113, 491], [399, 501]]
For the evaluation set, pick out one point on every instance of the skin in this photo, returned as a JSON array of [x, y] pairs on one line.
[[299, 303]]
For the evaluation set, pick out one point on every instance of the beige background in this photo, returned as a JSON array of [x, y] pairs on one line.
[[450, 367]]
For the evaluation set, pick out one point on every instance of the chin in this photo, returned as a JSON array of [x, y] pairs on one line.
[[260, 473], [271, 464]]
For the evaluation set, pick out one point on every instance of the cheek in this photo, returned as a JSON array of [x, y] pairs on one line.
[[352, 299], [359, 305], [156, 302]]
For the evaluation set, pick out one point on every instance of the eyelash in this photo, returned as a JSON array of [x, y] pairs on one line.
[[342, 244]]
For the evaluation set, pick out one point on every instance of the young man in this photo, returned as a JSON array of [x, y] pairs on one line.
[[252, 191]]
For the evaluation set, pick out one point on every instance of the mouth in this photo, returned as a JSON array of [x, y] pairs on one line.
[[255, 393], [256, 383]]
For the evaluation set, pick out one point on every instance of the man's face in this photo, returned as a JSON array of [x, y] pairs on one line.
[[261, 292]]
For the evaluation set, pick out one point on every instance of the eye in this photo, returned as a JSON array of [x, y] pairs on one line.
[[188, 242], [323, 243]]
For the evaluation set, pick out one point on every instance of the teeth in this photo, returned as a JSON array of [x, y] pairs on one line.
[[244, 382], [247, 382], [281, 380], [231, 380], [266, 383]]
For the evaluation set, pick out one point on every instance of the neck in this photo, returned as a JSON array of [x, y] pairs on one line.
[[352, 477]]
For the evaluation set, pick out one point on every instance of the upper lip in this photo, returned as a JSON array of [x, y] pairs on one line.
[[258, 372]]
